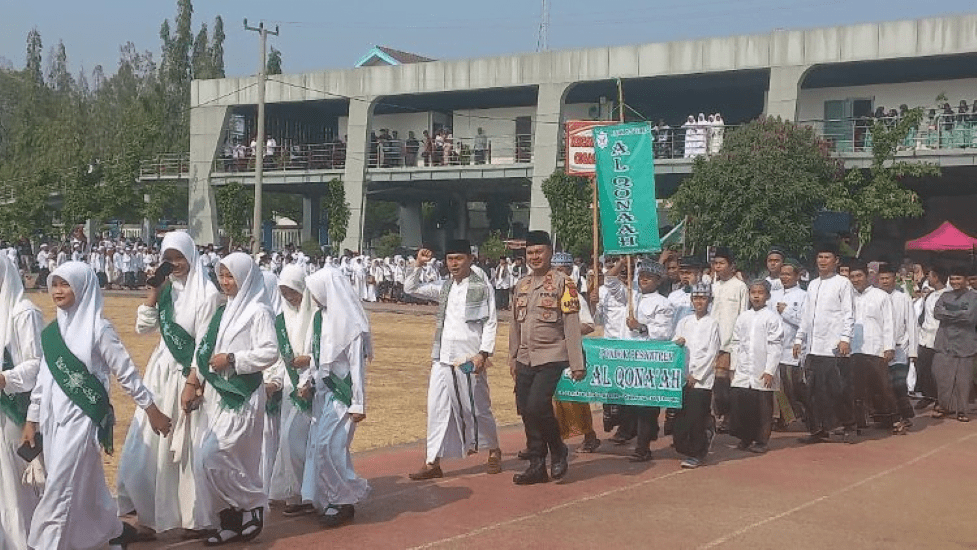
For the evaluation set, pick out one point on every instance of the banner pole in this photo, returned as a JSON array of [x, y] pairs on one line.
[[596, 211], [620, 100]]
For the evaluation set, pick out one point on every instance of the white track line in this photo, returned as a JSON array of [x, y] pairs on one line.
[[808, 504], [547, 511]]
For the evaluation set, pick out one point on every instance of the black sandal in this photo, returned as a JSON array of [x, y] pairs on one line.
[[230, 529], [128, 536], [962, 418], [252, 528]]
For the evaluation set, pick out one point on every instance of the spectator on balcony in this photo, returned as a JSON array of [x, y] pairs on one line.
[[450, 157], [411, 149], [439, 148], [428, 153], [397, 146], [663, 139], [480, 146], [239, 155]]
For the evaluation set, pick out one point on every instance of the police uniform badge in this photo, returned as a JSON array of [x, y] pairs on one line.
[[570, 301]]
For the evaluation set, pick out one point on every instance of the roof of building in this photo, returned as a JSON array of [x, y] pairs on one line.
[[382, 55]]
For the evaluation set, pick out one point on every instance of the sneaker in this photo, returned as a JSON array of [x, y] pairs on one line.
[[690, 464]]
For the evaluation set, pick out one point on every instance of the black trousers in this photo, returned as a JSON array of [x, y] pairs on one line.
[[645, 421], [846, 404], [692, 423], [795, 388], [898, 374], [534, 401], [720, 391], [925, 382], [502, 298], [752, 415], [873, 387], [825, 398]]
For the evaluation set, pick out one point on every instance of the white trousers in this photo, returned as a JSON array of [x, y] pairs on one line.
[[451, 422], [330, 477]]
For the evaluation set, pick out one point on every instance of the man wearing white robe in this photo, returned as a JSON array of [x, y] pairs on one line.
[[459, 409]]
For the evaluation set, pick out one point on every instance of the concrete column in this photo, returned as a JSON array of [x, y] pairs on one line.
[[411, 221], [206, 129], [354, 176], [546, 149], [311, 217], [461, 229], [785, 83]]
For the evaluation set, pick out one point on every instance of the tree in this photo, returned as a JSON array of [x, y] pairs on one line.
[[492, 248], [766, 187], [570, 199], [274, 64], [337, 209], [878, 193], [59, 77], [388, 244], [217, 49], [380, 218], [235, 204], [34, 52], [499, 214], [200, 59]]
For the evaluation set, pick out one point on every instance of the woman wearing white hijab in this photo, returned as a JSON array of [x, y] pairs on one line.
[[20, 345], [274, 380], [690, 137], [224, 381], [155, 478], [293, 328], [340, 345], [701, 131], [70, 408], [718, 131]]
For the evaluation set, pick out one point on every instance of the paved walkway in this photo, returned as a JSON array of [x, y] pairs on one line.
[[914, 491]]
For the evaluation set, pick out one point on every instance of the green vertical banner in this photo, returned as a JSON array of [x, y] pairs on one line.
[[626, 188]]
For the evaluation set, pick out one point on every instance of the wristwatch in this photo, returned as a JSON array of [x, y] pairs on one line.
[[230, 359]]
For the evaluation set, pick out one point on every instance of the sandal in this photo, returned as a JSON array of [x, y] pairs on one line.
[[253, 527], [230, 529], [938, 413], [962, 418]]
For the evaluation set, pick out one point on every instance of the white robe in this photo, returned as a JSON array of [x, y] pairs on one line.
[[331, 478], [17, 501], [77, 510]]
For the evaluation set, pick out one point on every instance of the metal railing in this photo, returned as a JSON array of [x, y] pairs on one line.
[[940, 132], [165, 165]]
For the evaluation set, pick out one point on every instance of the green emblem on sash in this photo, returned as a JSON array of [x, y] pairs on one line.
[[288, 354], [235, 389], [342, 388], [13, 406], [81, 386], [176, 338]]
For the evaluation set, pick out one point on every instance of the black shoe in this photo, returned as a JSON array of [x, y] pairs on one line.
[[559, 465], [743, 445], [819, 437], [642, 455], [620, 438], [758, 448], [128, 536], [536, 473], [589, 446], [344, 514]]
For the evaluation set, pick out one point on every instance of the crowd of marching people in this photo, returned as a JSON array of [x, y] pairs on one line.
[[257, 384]]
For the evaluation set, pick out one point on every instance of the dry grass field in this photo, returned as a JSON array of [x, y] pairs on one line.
[[396, 380]]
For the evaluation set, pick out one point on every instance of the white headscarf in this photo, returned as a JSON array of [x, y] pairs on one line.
[[189, 296], [271, 291], [12, 300], [343, 318], [81, 325], [250, 298], [298, 320]]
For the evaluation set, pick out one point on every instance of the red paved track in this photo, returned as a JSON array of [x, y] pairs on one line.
[[916, 491]]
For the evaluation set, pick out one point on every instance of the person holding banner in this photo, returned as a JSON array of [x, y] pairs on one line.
[[544, 341], [694, 426], [612, 310], [70, 408], [459, 406], [575, 418], [758, 339], [155, 477], [650, 320]]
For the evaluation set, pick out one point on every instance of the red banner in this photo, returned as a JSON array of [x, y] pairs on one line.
[[580, 146]]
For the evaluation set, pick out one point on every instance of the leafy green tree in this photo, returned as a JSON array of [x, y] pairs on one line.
[[766, 187], [337, 209], [274, 64], [388, 244], [235, 204], [878, 193], [59, 77], [200, 59], [499, 214], [492, 248], [217, 48], [571, 199], [35, 50], [380, 218]]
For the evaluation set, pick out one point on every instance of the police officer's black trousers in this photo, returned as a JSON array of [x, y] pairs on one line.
[[534, 401]]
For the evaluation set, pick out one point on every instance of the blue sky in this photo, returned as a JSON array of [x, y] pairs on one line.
[[328, 34]]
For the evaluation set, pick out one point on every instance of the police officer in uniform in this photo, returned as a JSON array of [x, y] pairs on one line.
[[544, 340]]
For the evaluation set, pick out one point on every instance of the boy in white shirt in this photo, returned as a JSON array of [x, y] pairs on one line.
[[730, 298], [873, 346], [694, 426], [758, 339]]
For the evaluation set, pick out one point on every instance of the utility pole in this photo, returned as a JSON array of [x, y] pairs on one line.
[[259, 140], [543, 41]]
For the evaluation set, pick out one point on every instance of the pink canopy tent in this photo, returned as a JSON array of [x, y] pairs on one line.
[[946, 237]]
